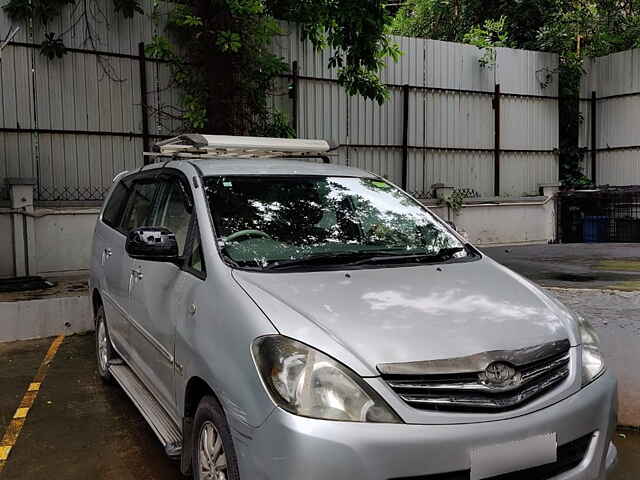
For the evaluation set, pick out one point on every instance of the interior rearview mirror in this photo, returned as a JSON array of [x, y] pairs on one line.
[[152, 243]]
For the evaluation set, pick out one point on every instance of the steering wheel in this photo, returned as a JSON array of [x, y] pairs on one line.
[[246, 233]]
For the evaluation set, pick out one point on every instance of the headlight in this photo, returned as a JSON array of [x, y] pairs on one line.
[[307, 382], [592, 362]]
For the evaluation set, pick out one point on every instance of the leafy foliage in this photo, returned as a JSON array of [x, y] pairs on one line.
[[40, 10], [52, 46], [455, 201], [487, 37], [355, 31], [43, 11], [128, 8], [227, 70]]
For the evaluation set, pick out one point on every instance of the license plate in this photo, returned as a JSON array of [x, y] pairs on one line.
[[491, 460]]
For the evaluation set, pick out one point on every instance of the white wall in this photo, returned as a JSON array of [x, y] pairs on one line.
[[507, 221], [63, 240], [64, 236]]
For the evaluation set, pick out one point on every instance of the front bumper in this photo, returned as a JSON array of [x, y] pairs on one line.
[[288, 447]]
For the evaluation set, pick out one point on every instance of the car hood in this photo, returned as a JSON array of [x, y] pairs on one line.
[[366, 317]]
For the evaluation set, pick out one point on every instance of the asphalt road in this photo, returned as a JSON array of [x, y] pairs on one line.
[[78, 428], [585, 265]]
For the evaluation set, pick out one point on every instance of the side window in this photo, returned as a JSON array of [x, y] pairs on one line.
[[195, 260], [173, 211], [112, 213], [139, 205]]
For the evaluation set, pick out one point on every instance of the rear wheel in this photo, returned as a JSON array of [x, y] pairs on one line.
[[214, 457], [104, 350]]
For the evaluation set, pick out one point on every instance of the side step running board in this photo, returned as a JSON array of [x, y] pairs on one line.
[[160, 422]]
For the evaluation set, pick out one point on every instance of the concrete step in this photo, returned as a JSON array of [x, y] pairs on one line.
[[64, 309]]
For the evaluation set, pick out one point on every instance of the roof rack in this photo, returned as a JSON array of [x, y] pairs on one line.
[[207, 146]]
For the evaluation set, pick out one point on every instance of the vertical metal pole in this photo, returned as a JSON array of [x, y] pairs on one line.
[[496, 147], [143, 101], [405, 135], [594, 132], [294, 86]]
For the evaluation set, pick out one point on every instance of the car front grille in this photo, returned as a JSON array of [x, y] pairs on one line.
[[472, 392], [569, 456]]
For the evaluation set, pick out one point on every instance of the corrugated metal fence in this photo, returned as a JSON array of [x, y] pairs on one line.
[[445, 101], [74, 122], [611, 89]]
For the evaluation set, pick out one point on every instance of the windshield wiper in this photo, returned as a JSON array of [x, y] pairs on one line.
[[441, 255], [323, 259], [363, 257]]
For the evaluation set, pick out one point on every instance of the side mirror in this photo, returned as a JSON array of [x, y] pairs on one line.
[[152, 243]]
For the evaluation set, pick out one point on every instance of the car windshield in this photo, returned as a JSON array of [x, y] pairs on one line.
[[268, 221]]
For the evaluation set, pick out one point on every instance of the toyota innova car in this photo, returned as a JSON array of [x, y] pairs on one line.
[[275, 317]]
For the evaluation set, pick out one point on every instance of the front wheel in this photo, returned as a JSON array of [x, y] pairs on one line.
[[104, 350], [214, 457]]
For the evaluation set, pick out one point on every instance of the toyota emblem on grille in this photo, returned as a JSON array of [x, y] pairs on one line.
[[500, 374]]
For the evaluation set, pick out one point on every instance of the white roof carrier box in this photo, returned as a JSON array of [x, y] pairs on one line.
[[206, 146]]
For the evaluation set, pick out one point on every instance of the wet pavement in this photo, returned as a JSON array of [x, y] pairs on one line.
[[79, 428], [586, 265], [616, 317]]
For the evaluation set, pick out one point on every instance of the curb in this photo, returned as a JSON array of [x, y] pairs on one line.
[[46, 317]]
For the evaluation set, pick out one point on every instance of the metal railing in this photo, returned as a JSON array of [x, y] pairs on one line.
[[603, 215]]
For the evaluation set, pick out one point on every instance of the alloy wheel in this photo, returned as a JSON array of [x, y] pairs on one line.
[[213, 460]]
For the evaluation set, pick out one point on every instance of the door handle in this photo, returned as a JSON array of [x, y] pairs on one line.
[[106, 253], [137, 273]]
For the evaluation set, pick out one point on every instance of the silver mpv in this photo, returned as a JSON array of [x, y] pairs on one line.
[[286, 319]]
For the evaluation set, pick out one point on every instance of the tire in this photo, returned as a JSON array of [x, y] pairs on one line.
[[210, 429], [104, 350]]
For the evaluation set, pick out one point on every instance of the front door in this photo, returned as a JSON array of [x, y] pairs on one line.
[[128, 207], [155, 293]]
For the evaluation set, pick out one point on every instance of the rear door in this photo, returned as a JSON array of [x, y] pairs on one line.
[[156, 292]]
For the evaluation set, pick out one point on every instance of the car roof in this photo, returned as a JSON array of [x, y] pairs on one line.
[[273, 166]]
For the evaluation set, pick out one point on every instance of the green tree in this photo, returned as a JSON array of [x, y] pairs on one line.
[[227, 69]]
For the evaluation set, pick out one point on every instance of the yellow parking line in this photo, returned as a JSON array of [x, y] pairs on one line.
[[14, 428], [21, 413], [4, 453]]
